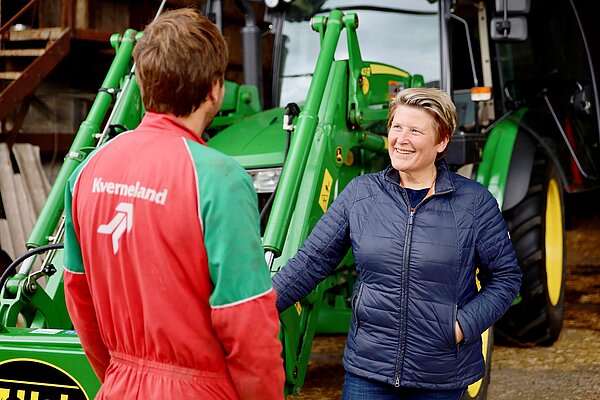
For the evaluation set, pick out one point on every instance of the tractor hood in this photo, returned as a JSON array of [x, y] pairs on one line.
[[255, 142]]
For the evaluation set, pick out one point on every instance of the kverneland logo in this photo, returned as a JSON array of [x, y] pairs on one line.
[[122, 221], [134, 191]]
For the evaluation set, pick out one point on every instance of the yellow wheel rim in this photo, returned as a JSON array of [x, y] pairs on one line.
[[474, 388], [554, 242]]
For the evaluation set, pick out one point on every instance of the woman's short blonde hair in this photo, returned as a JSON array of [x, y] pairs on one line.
[[434, 101], [179, 57]]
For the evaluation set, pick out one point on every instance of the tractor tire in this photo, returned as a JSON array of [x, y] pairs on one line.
[[537, 230], [479, 389]]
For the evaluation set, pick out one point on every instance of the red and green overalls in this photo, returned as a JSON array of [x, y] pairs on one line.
[[165, 279]]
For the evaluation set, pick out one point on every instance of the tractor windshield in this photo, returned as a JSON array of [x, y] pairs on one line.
[[403, 34]]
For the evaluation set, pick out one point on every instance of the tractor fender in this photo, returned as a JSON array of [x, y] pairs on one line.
[[519, 170], [508, 158], [497, 159]]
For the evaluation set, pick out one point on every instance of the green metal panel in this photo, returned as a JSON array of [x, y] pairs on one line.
[[58, 348], [239, 102], [497, 153], [257, 142]]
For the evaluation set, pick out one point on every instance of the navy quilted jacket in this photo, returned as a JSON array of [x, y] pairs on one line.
[[416, 276]]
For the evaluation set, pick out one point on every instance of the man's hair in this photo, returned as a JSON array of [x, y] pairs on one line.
[[179, 57], [433, 101]]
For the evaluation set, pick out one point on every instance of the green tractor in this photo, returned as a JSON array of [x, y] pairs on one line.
[[528, 131]]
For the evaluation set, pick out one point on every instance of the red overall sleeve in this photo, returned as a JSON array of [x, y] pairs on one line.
[[77, 292]]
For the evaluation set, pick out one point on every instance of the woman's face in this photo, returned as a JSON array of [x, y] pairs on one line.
[[412, 140]]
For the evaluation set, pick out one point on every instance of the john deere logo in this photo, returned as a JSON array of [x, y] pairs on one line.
[[27, 379]]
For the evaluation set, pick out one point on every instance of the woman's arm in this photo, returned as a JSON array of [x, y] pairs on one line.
[[320, 254], [498, 261]]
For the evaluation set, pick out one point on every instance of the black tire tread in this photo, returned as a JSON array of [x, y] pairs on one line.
[[534, 321]]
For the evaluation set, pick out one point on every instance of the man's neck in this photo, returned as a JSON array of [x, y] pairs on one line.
[[196, 121]]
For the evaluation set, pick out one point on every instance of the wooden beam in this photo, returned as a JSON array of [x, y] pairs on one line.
[[18, 120], [27, 215], [6, 242], [92, 35], [82, 14], [33, 176], [48, 142], [67, 16], [10, 202]]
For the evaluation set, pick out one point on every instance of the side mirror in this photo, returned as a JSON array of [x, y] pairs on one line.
[[511, 29], [513, 6]]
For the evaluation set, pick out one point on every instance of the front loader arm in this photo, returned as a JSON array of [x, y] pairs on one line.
[[332, 143]]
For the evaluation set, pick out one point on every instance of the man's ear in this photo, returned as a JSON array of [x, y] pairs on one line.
[[215, 91]]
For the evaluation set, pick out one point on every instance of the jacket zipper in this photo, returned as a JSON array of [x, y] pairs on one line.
[[404, 294]]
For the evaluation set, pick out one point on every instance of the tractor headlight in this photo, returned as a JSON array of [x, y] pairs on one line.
[[265, 180]]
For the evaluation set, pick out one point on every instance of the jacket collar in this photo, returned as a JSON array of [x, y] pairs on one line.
[[443, 183], [168, 125]]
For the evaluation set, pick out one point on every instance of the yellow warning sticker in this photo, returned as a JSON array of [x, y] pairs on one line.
[[325, 190], [365, 85]]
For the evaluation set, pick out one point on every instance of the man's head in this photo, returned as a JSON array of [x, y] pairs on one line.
[[178, 59]]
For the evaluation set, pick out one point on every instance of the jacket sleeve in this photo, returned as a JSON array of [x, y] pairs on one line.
[[77, 292], [498, 262], [320, 254], [243, 313]]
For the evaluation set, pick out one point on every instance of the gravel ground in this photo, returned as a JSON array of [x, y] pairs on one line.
[[570, 369]]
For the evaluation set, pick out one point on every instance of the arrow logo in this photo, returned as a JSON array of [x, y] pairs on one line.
[[116, 227]]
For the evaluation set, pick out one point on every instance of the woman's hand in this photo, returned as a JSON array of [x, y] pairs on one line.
[[458, 333]]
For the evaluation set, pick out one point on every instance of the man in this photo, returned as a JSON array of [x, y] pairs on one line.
[[166, 282]]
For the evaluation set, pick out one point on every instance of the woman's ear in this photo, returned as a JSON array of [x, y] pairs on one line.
[[442, 145]]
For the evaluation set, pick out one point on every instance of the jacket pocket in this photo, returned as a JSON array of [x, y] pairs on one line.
[[446, 319], [354, 304], [453, 322]]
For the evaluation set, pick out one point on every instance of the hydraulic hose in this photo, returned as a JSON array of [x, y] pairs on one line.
[[291, 111], [10, 270]]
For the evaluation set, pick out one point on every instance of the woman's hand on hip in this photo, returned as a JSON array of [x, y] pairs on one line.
[[458, 333]]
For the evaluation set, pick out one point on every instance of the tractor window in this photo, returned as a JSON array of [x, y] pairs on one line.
[[463, 76], [406, 38], [554, 61]]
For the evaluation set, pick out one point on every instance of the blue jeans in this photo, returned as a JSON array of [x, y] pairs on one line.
[[358, 388]]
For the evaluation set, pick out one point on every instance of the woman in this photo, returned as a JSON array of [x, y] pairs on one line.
[[418, 233]]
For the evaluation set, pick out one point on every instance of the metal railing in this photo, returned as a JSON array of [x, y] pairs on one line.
[[18, 15]]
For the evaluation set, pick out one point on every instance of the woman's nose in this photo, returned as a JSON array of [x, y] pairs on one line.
[[400, 135]]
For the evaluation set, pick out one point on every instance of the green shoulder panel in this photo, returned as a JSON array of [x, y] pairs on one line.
[[73, 260], [228, 208]]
